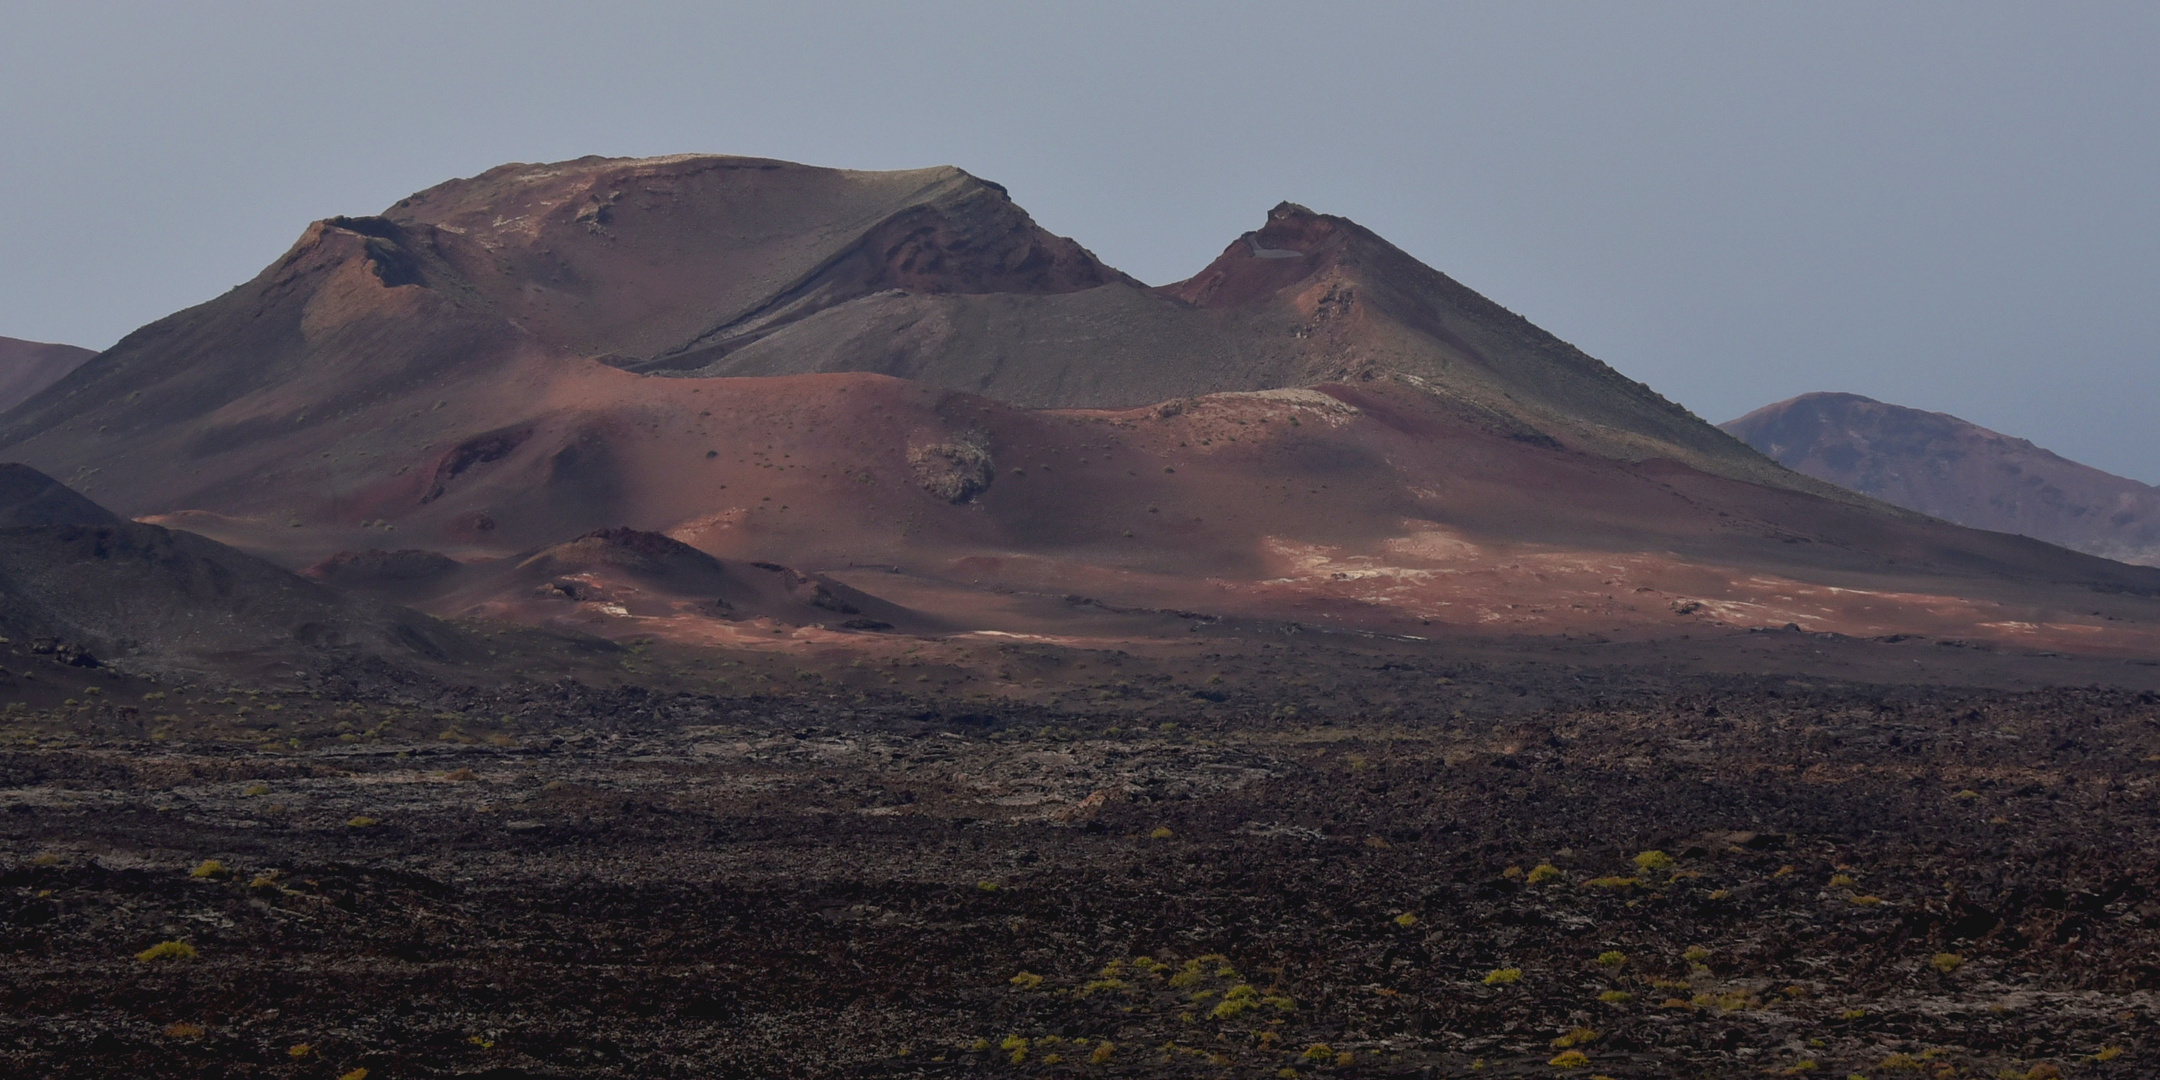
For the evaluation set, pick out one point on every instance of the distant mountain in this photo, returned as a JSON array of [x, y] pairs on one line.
[[27, 367], [1958, 471]]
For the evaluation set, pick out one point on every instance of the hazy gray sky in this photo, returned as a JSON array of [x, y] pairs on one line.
[[1954, 206]]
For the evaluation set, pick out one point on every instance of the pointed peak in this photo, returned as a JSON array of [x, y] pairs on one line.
[[1290, 247]]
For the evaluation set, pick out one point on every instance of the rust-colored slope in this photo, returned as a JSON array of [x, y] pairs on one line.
[[1958, 471], [1377, 507], [361, 329]]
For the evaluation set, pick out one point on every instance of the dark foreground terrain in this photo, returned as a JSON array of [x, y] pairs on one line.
[[1578, 873]]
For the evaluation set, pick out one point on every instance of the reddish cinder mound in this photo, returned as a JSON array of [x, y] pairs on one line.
[[629, 580], [1295, 246], [1958, 471], [27, 367]]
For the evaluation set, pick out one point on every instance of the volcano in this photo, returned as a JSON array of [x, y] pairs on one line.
[[1958, 471], [901, 389]]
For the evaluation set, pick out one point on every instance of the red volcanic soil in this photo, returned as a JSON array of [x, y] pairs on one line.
[[457, 378], [1375, 507], [612, 578], [1938, 464], [27, 367]]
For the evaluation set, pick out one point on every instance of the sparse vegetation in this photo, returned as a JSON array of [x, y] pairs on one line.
[[1426, 864], [166, 952], [1235, 1003], [954, 471]]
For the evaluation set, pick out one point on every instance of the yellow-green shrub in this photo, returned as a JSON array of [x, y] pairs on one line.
[[167, 950]]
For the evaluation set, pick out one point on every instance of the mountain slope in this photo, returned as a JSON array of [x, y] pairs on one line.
[[29, 498], [1375, 506], [1958, 471], [715, 266], [161, 600], [1307, 298], [650, 259], [1316, 428], [479, 292], [27, 367]]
